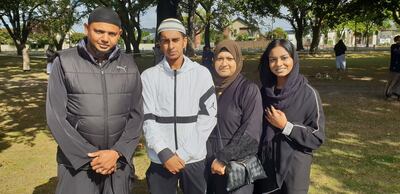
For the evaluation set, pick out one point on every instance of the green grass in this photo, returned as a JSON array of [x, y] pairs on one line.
[[361, 153]]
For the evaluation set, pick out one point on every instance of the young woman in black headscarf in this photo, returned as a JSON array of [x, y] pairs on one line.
[[240, 115], [294, 121]]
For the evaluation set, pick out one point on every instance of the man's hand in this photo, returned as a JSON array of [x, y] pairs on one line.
[[276, 117], [174, 164], [104, 161], [218, 167]]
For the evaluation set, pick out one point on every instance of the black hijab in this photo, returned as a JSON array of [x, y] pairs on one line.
[[295, 81]]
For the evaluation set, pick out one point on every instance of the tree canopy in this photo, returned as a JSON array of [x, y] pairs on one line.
[[50, 22]]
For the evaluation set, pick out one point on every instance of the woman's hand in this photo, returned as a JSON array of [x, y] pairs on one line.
[[276, 117], [218, 167]]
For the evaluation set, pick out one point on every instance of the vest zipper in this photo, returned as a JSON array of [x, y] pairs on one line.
[[175, 132], [105, 100]]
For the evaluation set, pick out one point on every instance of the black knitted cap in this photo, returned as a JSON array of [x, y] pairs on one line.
[[106, 15]]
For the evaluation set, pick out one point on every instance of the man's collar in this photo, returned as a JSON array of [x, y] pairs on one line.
[[184, 67]]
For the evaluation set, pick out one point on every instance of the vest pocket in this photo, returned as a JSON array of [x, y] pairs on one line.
[[73, 120]]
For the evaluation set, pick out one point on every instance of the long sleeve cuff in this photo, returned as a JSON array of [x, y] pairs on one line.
[[223, 157], [288, 129], [79, 163], [165, 154], [126, 153]]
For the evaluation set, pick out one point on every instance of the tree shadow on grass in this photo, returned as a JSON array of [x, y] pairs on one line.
[[361, 150], [360, 154], [49, 187], [22, 107]]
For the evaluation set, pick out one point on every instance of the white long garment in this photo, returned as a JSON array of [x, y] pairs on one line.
[[184, 99]]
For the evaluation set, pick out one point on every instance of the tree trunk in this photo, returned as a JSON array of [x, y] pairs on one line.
[[25, 59], [367, 35], [316, 32], [166, 9], [20, 47], [126, 42], [136, 42], [207, 35], [355, 35], [130, 38], [190, 33], [127, 29], [299, 31], [299, 38], [133, 42], [136, 48]]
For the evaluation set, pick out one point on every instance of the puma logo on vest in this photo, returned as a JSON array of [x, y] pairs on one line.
[[122, 67]]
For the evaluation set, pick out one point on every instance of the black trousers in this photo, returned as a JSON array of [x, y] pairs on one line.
[[191, 179], [89, 182]]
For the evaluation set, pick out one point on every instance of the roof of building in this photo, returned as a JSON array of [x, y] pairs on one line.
[[245, 22]]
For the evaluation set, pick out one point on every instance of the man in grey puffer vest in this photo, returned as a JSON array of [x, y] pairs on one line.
[[94, 110]]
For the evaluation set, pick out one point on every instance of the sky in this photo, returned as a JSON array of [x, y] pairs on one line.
[[149, 20]]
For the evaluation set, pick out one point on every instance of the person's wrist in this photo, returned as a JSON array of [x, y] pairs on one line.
[[283, 125], [118, 154]]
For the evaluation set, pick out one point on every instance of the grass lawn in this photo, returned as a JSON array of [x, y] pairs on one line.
[[361, 154]]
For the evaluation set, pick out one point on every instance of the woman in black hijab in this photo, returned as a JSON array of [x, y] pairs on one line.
[[240, 112], [294, 121]]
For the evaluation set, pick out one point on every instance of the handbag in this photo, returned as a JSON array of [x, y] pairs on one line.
[[243, 171]]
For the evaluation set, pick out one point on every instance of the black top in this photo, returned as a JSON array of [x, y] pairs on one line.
[[340, 48], [239, 122], [395, 58]]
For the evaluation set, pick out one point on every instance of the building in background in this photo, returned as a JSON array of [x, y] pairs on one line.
[[240, 29]]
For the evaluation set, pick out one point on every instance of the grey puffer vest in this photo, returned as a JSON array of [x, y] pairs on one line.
[[99, 97]]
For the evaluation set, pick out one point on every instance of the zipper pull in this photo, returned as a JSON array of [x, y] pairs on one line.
[[102, 72]]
